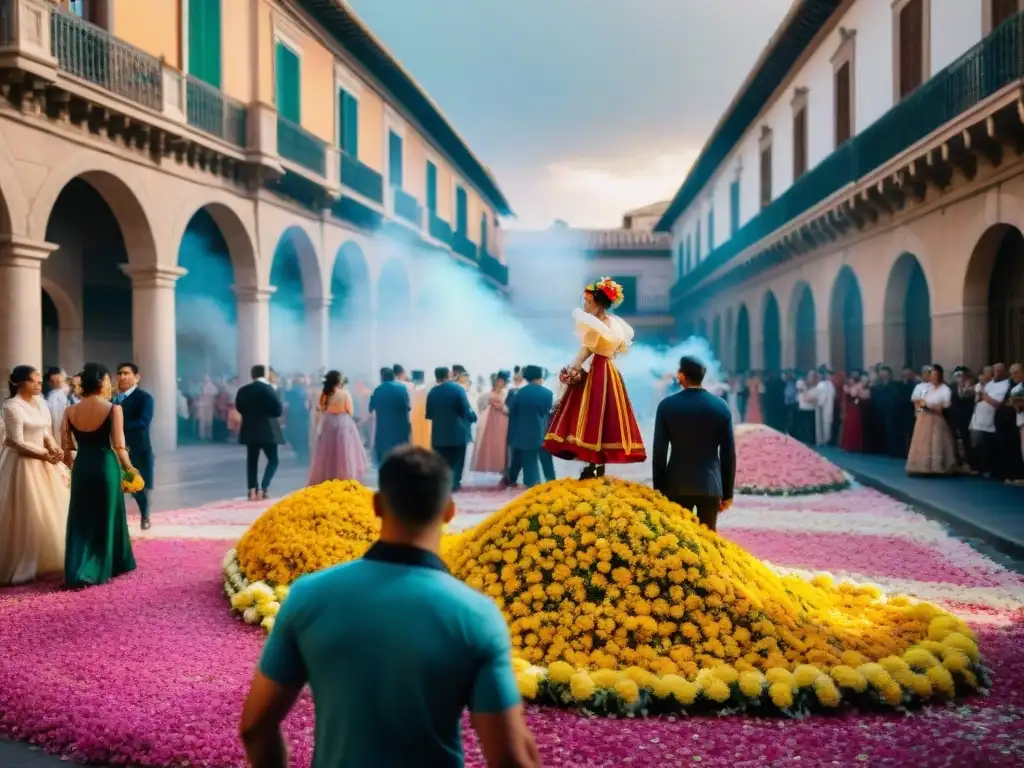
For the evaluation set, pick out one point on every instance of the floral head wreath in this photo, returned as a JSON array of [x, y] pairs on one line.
[[611, 290]]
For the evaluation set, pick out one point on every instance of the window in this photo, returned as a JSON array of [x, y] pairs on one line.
[[395, 159], [348, 123], [912, 40], [431, 187], [696, 239], [287, 83], [844, 103], [204, 36], [95, 11], [689, 252], [711, 230], [800, 143], [766, 167], [461, 211], [999, 11], [483, 233], [734, 207]]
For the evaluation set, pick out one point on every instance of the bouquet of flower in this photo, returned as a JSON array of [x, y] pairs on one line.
[[131, 481], [571, 376]]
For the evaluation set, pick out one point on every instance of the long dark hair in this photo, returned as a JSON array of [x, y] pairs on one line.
[[332, 380], [91, 378], [20, 374]]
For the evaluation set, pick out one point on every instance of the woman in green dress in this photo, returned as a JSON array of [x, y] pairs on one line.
[[98, 546]]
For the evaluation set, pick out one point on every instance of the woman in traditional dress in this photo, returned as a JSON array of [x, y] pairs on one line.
[[339, 451], [932, 451], [99, 546], [594, 421], [33, 485], [755, 388], [492, 437]]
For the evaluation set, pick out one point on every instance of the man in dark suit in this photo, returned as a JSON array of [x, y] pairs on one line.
[[137, 408], [260, 408], [529, 414], [390, 406], [700, 472], [451, 417]]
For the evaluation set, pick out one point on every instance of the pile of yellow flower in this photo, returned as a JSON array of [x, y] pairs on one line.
[[619, 602]]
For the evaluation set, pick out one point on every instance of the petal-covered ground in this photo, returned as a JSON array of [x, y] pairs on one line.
[[151, 669], [769, 462]]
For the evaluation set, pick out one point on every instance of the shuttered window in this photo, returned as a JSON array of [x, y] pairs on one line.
[[711, 230], [844, 104], [483, 234], [689, 252], [395, 175], [461, 211], [348, 123], [911, 47], [204, 39], [696, 239], [1003, 10], [734, 207], [431, 187], [287, 79], [766, 176], [799, 143]]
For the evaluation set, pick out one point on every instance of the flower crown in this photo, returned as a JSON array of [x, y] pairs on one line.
[[611, 290]]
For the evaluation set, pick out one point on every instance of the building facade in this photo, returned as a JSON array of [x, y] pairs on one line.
[[553, 265], [278, 136], [862, 198]]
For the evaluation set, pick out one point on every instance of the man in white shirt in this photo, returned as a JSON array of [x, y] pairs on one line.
[[57, 398], [994, 386], [825, 401], [806, 425]]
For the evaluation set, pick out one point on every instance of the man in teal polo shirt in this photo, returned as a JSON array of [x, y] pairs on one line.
[[393, 648]]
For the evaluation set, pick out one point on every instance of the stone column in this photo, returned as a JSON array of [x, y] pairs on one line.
[[21, 301], [253, 327], [318, 317], [155, 347]]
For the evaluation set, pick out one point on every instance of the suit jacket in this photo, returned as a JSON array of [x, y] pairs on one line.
[[260, 408], [450, 415], [698, 428], [510, 435], [529, 414], [390, 402], [137, 410]]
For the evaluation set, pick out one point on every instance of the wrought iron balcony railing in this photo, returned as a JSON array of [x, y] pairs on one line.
[[992, 64], [463, 246], [494, 269], [94, 55], [440, 229], [301, 147], [209, 110], [407, 207], [362, 179]]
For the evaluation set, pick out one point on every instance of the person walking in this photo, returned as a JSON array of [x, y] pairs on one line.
[[260, 408]]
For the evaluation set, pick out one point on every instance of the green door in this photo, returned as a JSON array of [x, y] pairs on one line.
[[348, 120], [431, 187], [395, 174], [287, 69], [204, 40], [461, 211]]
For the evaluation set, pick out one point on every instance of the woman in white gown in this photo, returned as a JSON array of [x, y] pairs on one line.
[[34, 492]]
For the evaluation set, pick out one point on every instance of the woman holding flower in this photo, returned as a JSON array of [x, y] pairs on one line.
[[99, 546]]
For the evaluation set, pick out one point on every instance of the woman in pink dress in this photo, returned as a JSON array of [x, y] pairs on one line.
[[339, 451], [492, 438], [754, 389]]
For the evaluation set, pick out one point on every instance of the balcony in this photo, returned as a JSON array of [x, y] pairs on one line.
[[980, 73], [494, 269], [407, 207], [210, 111], [463, 246], [362, 179], [439, 229], [298, 146]]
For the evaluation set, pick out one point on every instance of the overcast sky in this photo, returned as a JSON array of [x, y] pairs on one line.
[[582, 108]]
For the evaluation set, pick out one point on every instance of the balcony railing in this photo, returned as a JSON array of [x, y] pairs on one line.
[[209, 110], [407, 207], [301, 147], [494, 269], [362, 179], [93, 54], [463, 246], [440, 229], [992, 64]]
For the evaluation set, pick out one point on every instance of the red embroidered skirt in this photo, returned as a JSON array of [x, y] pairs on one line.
[[594, 421]]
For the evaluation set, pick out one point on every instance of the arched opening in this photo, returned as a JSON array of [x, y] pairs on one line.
[[772, 329], [742, 340], [729, 353], [702, 328], [907, 336], [292, 275], [351, 315], [394, 304], [846, 323], [716, 337], [87, 268], [994, 295], [51, 333], [803, 331]]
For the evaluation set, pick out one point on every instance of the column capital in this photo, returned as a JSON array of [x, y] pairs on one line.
[[17, 251], [153, 277], [254, 294]]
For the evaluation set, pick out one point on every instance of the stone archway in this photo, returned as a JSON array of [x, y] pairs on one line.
[[297, 304], [802, 328], [352, 324], [994, 296], [63, 339], [907, 333], [772, 334], [846, 323], [742, 340]]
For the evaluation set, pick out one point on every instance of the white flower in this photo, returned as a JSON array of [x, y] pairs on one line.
[[251, 615], [233, 569], [262, 592], [230, 557]]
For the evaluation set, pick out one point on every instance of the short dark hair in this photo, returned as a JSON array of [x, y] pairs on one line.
[[417, 377], [387, 374], [533, 373], [52, 371], [415, 485], [258, 372], [399, 370], [130, 366], [693, 369], [458, 370], [441, 373], [91, 378]]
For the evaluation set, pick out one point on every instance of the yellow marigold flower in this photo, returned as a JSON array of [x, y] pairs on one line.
[[627, 690], [751, 684], [660, 688], [581, 686], [781, 695], [560, 672], [605, 678], [941, 679], [921, 685], [519, 665], [955, 660], [726, 674], [528, 682], [961, 642], [683, 691], [779, 675], [804, 675], [827, 693], [717, 690], [920, 658], [848, 677], [242, 600], [892, 693]]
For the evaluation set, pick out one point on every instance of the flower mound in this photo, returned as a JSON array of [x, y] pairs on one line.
[[619, 602], [773, 464]]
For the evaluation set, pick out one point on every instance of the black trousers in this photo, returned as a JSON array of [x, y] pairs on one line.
[[252, 464], [532, 464], [455, 456], [707, 508], [142, 499]]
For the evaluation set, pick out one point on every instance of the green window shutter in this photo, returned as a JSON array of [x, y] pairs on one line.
[[348, 123], [395, 175], [697, 239], [461, 211], [204, 41], [431, 187], [287, 83], [483, 234]]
